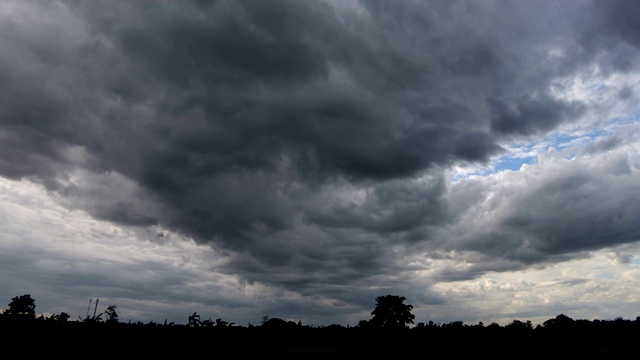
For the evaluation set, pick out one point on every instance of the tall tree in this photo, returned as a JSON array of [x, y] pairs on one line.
[[391, 312]]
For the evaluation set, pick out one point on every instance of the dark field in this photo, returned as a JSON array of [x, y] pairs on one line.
[[76, 340]]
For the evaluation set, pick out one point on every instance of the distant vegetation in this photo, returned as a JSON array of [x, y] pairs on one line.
[[386, 334]]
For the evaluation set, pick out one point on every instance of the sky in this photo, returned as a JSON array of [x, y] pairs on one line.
[[298, 159]]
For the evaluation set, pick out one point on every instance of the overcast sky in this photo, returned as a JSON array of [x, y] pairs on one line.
[[297, 159]]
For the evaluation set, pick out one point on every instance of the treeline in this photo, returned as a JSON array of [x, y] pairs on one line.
[[560, 335], [102, 334]]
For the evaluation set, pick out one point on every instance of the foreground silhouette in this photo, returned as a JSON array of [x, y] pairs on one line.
[[26, 335], [391, 312]]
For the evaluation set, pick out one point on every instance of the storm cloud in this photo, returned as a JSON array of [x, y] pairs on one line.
[[311, 143]]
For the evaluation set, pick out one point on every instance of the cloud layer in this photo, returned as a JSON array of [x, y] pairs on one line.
[[311, 145]]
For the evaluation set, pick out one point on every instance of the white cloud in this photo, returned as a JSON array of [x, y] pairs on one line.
[[64, 257]]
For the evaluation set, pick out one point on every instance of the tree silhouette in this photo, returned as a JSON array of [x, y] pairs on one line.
[[222, 323], [560, 321], [194, 320], [23, 307], [62, 317], [391, 312], [112, 315]]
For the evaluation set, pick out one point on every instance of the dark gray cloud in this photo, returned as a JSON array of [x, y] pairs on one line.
[[603, 145], [306, 139], [618, 20], [529, 115]]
